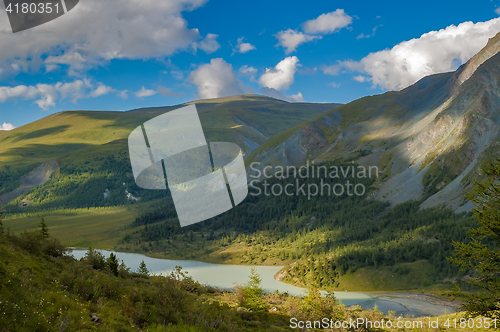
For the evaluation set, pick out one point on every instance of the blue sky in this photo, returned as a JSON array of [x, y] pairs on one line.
[[125, 54]]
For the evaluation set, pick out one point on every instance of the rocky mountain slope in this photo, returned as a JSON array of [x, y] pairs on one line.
[[428, 140]]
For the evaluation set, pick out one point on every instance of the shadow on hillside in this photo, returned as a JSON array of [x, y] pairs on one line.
[[41, 133]]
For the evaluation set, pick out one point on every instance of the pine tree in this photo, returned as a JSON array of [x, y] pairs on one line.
[[143, 269], [481, 254], [253, 291], [44, 229], [113, 264]]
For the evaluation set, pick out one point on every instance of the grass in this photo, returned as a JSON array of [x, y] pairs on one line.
[[59, 136], [100, 229], [405, 276]]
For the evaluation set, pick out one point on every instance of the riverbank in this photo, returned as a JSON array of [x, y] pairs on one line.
[[226, 276]]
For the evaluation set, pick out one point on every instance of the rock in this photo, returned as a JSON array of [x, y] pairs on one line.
[[94, 318]]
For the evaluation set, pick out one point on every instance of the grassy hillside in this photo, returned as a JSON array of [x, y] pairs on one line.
[[98, 228], [91, 147], [45, 289]]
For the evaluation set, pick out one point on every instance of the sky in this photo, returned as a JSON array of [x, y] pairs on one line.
[[124, 54]]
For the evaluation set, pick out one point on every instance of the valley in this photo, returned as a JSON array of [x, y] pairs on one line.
[[428, 141]]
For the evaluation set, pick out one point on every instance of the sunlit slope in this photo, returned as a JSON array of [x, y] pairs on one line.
[[58, 134], [82, 141], [428, 140]]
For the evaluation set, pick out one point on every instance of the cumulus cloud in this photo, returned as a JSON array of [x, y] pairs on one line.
[[7, 126], [434, 52], [101, 90], [46, 95], [328, 23], [497, 10], [246, 70], [209, 44], [217, 79], [334, 85], [143, 92], [298, 97], [281, 76], [324, 24], [291, 39], [118, 29], [242, 47]]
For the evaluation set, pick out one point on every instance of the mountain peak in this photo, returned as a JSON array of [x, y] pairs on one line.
[[467, 70]]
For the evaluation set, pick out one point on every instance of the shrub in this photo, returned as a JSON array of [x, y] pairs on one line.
[[96, 259]]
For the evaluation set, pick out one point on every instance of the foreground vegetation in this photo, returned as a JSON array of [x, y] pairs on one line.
[[44, 289], [481, 254]]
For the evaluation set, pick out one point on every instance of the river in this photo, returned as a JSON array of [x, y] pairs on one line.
[[227, 276]]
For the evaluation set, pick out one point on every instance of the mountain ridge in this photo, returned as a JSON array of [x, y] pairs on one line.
[[411, 134], [77, 138]]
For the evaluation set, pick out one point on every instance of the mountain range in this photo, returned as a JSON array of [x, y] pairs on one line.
[[33, 154]]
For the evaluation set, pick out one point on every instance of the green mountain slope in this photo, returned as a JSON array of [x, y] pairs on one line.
[[83, 142]]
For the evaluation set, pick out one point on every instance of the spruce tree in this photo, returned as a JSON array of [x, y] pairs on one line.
[[253, 293], [481, 255], [113, 264], [44, 229], [143, 269]]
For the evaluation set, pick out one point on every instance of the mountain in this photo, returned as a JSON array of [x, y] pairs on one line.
[[66, 143], [428, 140]]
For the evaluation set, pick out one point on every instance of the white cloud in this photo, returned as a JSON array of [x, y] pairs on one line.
[[333, 70], [217, 79], [123, 94], [434, 52], [291, 39], [362, 35], [324, 24], [242, 47], [46, 95], [209, 44], [497, 10], [247, 70], [281, 76], [96, 31], [334, 85], [101, 90], [298, 97], [328, 22], [7, 126], [360, 78], [143, 92]]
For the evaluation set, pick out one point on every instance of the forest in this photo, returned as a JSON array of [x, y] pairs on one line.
[[317, 240]]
